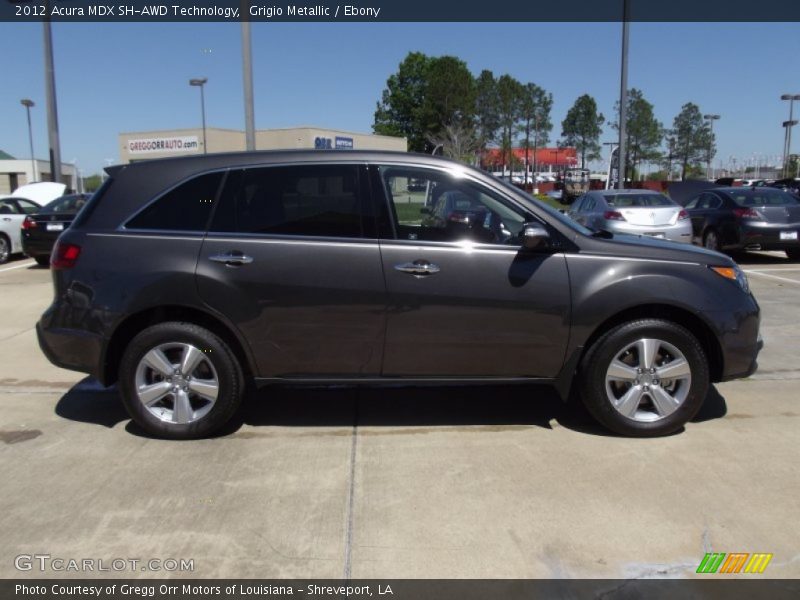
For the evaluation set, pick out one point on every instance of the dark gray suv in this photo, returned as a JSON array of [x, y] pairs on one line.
[[183, 280]]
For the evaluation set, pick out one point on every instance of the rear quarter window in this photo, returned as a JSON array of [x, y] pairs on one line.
[[186, 207]]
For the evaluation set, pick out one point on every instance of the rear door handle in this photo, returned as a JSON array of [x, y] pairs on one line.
[[232, 259], [418, 267]]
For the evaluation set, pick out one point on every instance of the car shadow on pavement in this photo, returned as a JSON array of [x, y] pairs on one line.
[[492, 406], [748, 259], [88, 402]]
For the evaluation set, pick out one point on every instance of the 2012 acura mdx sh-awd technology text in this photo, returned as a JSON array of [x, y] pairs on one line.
[[184, 279]]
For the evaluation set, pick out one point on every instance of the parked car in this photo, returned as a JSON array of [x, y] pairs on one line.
[[184, 279], [789, 184], [761, 218], [637, 212], [753, 183], [12, 213], [41, 229]]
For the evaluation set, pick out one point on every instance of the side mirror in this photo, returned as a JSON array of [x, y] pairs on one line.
[[534, 236], [425, 210]]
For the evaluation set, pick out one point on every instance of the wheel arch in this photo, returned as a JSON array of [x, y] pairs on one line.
[[697, 326], [135, 323]]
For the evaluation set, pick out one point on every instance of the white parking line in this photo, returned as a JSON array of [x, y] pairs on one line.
[[26, 264], [773, 277]]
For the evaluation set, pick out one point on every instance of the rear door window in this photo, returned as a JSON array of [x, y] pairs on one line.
[[302, 200]]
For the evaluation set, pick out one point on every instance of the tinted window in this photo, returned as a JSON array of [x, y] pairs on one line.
[[763, 197], [310, 200], [184, 208], [637, 200], [693, 203], [448, 209]]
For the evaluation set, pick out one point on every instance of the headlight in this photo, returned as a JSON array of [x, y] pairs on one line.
[[734, 274]]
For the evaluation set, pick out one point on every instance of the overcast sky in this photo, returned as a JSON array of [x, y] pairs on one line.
[[114, 77]]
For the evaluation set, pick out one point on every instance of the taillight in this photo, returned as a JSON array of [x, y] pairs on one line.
[[458, 216], [64, 255], [29, 223], [683, 215], [613, 215], [746, 213]]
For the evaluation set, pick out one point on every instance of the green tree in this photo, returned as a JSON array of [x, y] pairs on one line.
[[509, 93], [399, 111], [535, 106], [92, 183], [694, 141], [449, 94], [487, 117], [425, 95], [582, 128], [643, 132]]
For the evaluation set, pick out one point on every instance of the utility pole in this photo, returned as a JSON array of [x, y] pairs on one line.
[[710, 119]]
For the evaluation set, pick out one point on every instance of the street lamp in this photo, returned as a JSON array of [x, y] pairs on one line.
[[787, 140], [787, 135], [28, 103], [710, 119], [201, 82]]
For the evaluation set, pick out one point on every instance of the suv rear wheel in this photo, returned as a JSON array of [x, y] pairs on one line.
[[180, 381], [645, 378]]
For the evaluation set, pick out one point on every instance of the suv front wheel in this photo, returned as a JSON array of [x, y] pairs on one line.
[[645, 378], [180, 381]]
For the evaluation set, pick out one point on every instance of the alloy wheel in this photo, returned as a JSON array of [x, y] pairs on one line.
[[648, 380], [177, 383]]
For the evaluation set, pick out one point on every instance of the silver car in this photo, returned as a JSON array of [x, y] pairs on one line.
[[637, 212]]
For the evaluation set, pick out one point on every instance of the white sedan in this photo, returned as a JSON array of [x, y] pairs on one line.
[[25, 200]]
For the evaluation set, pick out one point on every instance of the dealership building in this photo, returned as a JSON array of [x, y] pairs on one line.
[[143, 145]]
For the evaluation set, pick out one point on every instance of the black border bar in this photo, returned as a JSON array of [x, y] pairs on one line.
[[401, 11], [712, 586]]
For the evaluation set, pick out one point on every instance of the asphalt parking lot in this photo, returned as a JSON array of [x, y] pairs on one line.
[[495, 482]]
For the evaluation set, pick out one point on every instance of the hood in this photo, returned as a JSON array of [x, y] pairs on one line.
[[42, 192], [642, 246]]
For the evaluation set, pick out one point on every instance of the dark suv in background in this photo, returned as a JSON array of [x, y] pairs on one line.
[[184, 279]]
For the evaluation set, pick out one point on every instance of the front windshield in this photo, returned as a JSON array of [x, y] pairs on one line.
[[559, 216]]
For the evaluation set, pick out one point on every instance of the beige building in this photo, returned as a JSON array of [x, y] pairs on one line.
[[143, 145], [18, 172]]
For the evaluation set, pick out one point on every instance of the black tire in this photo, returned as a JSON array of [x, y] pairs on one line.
[[42, 261], [595, 364], [227, 369], [5, 249], [793, 254], [711, 240]]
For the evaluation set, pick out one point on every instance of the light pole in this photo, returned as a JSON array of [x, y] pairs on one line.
[[787, 136], [710, 119], [247, 81], [52, 105], [28, 103], [201, 82], [623, 98]]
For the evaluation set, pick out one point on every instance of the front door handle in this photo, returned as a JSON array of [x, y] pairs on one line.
[[232, 259], [418, 267]]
